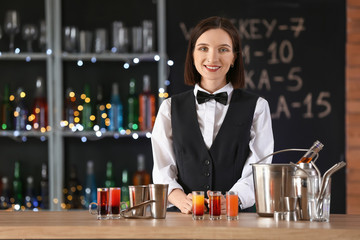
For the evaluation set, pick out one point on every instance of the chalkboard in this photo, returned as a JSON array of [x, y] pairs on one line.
[[294, 54]]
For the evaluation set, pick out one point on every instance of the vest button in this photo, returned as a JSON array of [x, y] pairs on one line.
[[207, 187], [207, 174], [207, 162]]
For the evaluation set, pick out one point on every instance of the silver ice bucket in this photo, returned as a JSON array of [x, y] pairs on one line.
[[272, 183]]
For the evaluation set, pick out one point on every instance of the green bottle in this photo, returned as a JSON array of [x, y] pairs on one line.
[[110, 182], [133, 107], [86, 120], [17, 187], [7, 112], [100, 111], [125, 188]]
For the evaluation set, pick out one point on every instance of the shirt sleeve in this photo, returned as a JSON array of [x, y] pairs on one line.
[[164, 170], [261, 144]]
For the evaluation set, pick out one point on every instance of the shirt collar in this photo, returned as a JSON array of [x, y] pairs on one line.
[[227, 88]]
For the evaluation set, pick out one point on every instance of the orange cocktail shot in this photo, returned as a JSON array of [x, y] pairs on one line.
[[198, 205], [232, 205]]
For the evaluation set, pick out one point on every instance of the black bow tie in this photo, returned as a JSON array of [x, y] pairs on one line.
[[202, 97]]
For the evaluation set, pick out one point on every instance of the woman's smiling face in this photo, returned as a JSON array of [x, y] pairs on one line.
[[213, 55]]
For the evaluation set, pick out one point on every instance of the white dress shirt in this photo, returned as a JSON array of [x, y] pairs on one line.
[[210, 116]]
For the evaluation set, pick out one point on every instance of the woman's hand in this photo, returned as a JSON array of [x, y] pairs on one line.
[[181, 200]]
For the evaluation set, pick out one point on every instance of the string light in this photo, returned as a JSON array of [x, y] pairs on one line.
[[80, 63], [135, 136], [170, 62]]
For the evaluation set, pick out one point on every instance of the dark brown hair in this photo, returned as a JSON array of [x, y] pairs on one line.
[[235, 75]]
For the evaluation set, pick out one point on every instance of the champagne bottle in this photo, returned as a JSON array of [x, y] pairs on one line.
[[70, 108], [141, 176], [17, 187], [30, 197], [110, 182], [101, 114], [86, 120], [90, 186], [40, 107], [310, 154], [116, 110], [20, 111], [133, 107], [125, 187], [146, 106], [6, 111], [5, 194], [44, 187]]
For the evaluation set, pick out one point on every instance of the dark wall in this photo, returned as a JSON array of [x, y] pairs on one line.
[[294, 54]]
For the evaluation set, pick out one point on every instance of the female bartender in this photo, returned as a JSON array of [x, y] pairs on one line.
[[206, 138]]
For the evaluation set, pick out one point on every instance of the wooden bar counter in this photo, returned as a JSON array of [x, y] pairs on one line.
[[82, 225]]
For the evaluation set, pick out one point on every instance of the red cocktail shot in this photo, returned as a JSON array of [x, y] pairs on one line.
[[214, 205], [102, 198], [114, 202]]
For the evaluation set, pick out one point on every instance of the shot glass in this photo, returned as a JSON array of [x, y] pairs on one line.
[[214, 205], [198, 205], [102, 205], [114, 202], [232, 205]]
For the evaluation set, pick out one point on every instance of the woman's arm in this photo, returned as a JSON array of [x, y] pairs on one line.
[[165, 170], [261, 144]]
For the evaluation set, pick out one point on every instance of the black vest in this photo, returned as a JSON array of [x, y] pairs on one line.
[[219, 167]]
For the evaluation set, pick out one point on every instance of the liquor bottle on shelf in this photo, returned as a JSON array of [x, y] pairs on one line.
[[5, 194], [31, 201], [44, 187], [17, 187], [20, 111], [309, 155], [141, 176], [148, 36], [87, 117], [109, 182], [7, 111], [133, 107], [90, 186], [70, 108], [116, 110], [101, 114], [146, 106], [40, 107], [73, 191], [125, 187]]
